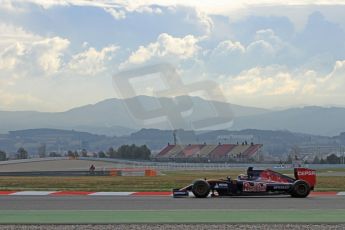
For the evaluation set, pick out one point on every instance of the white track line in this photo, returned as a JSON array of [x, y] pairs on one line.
[[47, 193], [111, 194], [32, 193]]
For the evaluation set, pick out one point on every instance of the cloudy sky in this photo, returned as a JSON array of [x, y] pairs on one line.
[[55, 55]]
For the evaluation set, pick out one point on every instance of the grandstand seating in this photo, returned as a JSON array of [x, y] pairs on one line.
[[164, 151], [191, 150], [252, 150], [206, 150], [175, 151], [221, 151], [238, 150]]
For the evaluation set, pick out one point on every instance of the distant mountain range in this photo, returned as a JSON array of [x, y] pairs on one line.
[[278, 143], [124, 116], [327, 121]]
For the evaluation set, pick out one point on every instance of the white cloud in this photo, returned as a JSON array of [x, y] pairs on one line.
[[166, 46], [220, 4], [11, 34], [147, 9], [268, 70], [229, 46], [26, 54], [43, 57], [92, 61], [260, 48], [227, 57], [263, 81], [9, 6], [202, 20], [27, 60], [334, 82], [118, 14], [266, 48], [30, 53], [48, 53], [266, 45], [23, 62], [233, 9], [277, 86], [8, 58]]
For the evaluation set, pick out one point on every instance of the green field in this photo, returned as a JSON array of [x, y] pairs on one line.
[[164, 182]]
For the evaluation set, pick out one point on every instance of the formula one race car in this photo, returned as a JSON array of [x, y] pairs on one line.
[[256, 182]]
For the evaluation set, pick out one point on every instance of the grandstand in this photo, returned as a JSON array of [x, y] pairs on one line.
[[190, 151], [170, 151], [206, 150], [237, 152], [164, 151], [251, 151], [222, 151], [210, 153]]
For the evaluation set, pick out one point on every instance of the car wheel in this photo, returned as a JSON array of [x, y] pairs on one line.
[[300, 189], [201, 188]]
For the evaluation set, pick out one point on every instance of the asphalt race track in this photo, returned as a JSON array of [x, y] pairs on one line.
[[166, 203], [167, 210]]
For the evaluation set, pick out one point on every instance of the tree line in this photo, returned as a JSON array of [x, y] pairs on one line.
[[131, 152], [21, 154], [125, 152], [331, 159]]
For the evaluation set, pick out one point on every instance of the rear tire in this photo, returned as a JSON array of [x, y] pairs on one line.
[[300, 189], [201, 188]]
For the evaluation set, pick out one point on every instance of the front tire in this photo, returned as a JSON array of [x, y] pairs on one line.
[[201, 188], [300, 189]]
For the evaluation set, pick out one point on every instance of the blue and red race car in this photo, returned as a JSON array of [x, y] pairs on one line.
[[256, 182]]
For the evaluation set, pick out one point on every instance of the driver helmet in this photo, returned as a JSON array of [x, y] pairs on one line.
[[242, 177]]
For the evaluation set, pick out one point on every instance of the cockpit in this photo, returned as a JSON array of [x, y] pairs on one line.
[[251, 174]]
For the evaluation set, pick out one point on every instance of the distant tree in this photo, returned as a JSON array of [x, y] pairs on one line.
[[2, 156], [333, 159], [70, 153], [316, 160], [145, 152], [42, 150], [123, 151], [54, 154], [112, 153], [134, 152], [101, 154], [323, 161], [22, 153]]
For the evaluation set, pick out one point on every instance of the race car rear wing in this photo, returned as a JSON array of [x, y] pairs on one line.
[[308, 175]]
